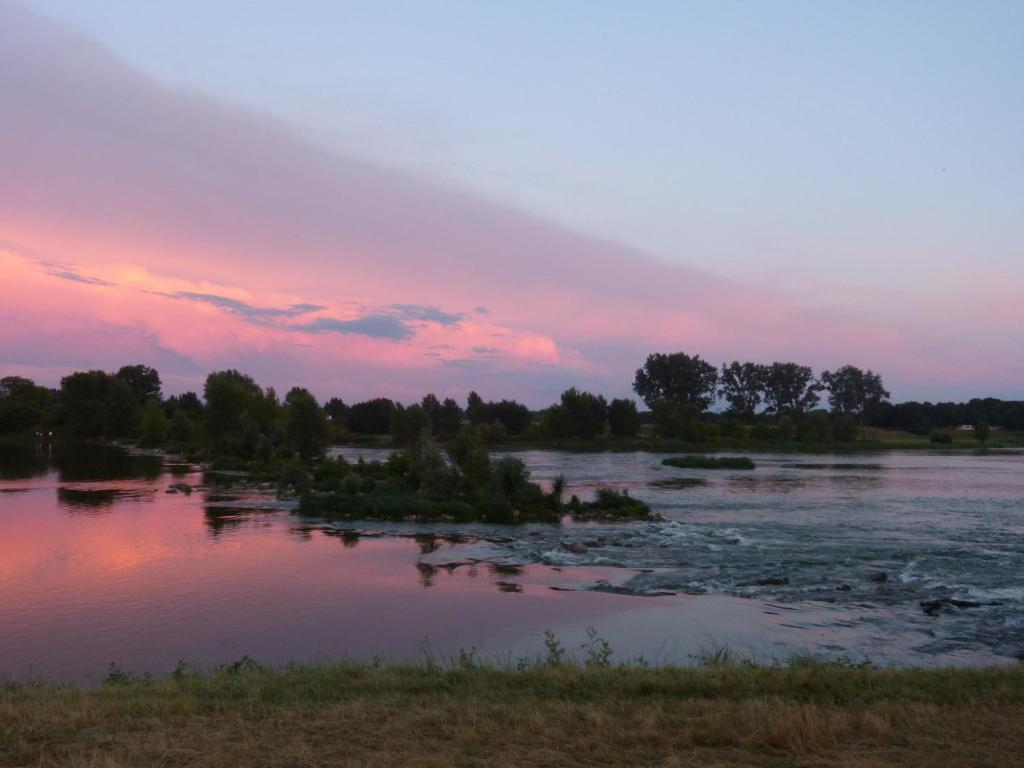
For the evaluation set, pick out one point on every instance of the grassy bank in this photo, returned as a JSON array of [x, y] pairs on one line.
[[806, 714]]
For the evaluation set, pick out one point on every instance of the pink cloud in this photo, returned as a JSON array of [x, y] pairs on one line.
[[195, 235]]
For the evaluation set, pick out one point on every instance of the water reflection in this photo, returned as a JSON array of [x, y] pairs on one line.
[[110, 566]]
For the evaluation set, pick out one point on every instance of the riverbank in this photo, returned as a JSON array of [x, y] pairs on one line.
[[871, 440], [805, 714]]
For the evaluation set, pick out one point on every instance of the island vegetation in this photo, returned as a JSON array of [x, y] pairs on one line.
[[709, 462]]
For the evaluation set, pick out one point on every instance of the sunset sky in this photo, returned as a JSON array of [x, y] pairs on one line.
[[395, 198]]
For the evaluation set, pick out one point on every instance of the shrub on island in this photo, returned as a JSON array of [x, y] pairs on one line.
[[467, 485], [709, 462]]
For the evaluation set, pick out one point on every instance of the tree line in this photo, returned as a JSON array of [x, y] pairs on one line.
[[235, 416]]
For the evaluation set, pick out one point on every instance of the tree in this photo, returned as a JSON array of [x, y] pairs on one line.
[[372, 417], [240, 416], [579, 414], [853, 391], [306, 428], [515, 417], [476, 409], [408, 424], [790, 389], [188, 402], [23, 404], [336, 410], [679, 421], [143, 381], [153, 424], [742, 386], [678, 378], [96, 404], [229, 395], [447, 418], [182, 429], [623, 419], [982, 431]]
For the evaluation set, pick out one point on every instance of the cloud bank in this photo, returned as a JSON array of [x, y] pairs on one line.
[[143, 223]]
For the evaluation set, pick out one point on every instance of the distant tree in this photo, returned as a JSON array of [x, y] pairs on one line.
[[790, 389], [96, 404], [23, 404], [476, 409], [181, 429], [742, 385], [336, 410], [447, 418], [408, 424], [853, 391], [677, 421], [515, 417], [372, 417], [153, 424], [623, 419], [578, 414], [845, 428], [306, 428], [430, 404], [678, 378], [814, 428], [188, 402], [235, 407], [468, 451], [143, 381], [982, 431]]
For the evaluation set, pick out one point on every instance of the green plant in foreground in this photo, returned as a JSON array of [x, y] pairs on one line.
[[555, 652]]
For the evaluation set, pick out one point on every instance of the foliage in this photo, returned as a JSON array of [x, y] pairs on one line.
[[446, 417], [241, 418], [513, 416], [789, 389], [96, 404], [678, 378], [306, 427], [673, 420], [336, 410], [609, 504], [407, 424], [143, 381], [845, 428], [623, 418], [153, 424], [578, 415], [982, 431], [372, 417], [742, 385], [853, 391], [23, 404], [814, 428], [709, 462]]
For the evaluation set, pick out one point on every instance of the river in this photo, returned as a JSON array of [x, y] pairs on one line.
[[895, 558]]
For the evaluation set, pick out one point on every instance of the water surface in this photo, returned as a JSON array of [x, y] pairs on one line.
[[99, 563]]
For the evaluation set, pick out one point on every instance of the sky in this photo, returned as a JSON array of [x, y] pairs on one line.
[[395, 198]]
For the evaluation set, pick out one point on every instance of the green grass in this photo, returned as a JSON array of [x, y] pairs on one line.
[[558, 715], [709, 462]]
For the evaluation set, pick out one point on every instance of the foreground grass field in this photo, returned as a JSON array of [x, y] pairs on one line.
[[803, 715]]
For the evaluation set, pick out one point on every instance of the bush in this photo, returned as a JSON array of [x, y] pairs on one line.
[[845, 428], [623, 418], [709, 462], [941, 436]]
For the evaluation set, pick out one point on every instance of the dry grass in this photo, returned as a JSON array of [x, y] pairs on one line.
[[808, 714]]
